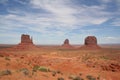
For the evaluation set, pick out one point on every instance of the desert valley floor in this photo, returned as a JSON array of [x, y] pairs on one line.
[[56, 63]]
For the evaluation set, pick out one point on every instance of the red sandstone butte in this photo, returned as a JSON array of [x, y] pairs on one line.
[[26, 43], [66, 44], [90, 43], [25, 39]]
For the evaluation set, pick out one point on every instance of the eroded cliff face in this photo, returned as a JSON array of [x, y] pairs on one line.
[[25, 39], [25, 44], [66, 44], [90, 42]]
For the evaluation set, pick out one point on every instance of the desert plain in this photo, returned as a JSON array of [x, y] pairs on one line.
[[27, 61]]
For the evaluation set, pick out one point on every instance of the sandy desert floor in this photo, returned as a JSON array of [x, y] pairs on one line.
[[55, 63]]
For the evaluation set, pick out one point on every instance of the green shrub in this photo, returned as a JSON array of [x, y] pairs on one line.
[[35, 68], [73, 77], [41, 68], [78, 78], [6, 72], [89, 77]]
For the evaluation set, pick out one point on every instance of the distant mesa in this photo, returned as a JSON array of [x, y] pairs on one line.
[[25, 39], [66, 44], [26, 43], [90, 43], [90, 40]]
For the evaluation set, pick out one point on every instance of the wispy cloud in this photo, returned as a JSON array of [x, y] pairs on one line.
[[62, 15], [68, 14], [56, 17]]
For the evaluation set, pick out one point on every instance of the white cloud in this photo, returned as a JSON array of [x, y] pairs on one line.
[[65, 13], [61, 17]]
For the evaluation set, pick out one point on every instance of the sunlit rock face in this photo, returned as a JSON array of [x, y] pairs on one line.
[[25, 39], [90, 42], [66, 44], [25, 44]]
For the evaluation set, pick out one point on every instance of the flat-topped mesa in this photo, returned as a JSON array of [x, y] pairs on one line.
[[25, 39], [90, 43]]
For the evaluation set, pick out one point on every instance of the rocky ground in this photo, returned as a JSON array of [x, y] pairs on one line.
[[51, 63]]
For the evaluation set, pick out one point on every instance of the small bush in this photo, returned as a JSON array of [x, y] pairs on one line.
[[41, 68], [78, 78], [98, 78], [89, 77], [35, 68], [53, 73], [25, 71], [73, 77], [6, 72], [60, 78], [104, 57], [7, 58], [58, 72]]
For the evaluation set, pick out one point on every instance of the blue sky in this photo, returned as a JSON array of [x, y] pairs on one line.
[[52, 21]]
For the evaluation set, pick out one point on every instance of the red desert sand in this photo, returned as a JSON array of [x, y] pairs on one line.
[[27, 61]]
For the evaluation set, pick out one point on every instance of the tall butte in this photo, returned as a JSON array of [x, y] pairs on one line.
[[26, 43], [90, 43], [26, 40], [66, 44]]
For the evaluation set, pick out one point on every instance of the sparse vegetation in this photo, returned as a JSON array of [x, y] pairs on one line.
[[7, 58], [25, 71], [89, 77], [98, 78], [35, 68], [5, 72], [73, 77], [66, 65], [53, 73], [86, 57], [60, 78], [104, 57], [40, 68]]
